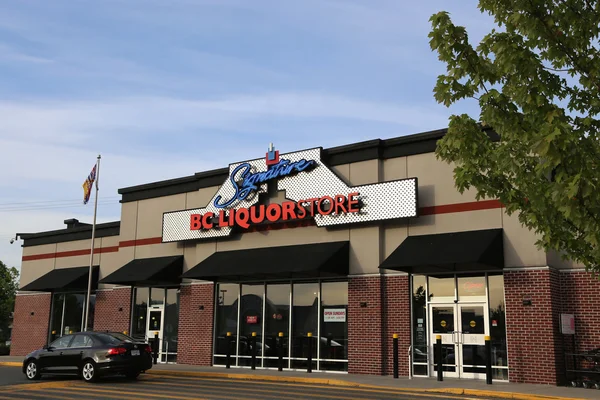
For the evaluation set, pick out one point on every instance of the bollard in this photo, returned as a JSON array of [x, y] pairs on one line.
[[309, 338], [396, 355], [253, 350], [438, 344], [488, 360], [281, 351], [156, 344], [228, 353]]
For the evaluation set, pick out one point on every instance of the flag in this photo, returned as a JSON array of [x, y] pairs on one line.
[[87, 185]]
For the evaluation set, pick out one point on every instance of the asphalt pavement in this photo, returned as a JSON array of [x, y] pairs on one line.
[[16, 386]]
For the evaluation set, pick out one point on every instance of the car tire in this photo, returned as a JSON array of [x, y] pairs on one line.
[[132, 375], [89, 372], [32, 371]]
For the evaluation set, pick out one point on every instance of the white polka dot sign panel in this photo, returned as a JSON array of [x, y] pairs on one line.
[[379, 201]]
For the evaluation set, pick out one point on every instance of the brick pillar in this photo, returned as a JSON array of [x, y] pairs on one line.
[[580, 294], [113, 310], [196, 317], [396, 306], [534, 342], [364, 326], [30, 332]]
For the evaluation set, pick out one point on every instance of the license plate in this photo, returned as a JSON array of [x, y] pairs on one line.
[[135, 352]]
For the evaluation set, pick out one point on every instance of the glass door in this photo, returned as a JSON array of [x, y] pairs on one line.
[[471, 340], [443, 323], [155, 326]]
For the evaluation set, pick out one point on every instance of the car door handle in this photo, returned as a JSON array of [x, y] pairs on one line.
[[81, 352]]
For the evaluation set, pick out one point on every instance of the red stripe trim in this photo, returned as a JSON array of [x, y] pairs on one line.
[[461, 207], [445, 209], [140, 242]]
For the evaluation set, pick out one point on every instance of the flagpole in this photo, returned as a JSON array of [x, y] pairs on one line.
[[89, 287]]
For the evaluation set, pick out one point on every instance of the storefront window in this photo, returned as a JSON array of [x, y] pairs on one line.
[[277, 320], [334, 325], [140, 311], [157, 296], [67, 314], [441, 288], [419, 311], [226, 318], [251, 317], [305, 318], [329, 330], [498, 326], [171, 325], [471, 288]]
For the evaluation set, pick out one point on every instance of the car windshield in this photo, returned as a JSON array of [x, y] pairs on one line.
[[113, 338]]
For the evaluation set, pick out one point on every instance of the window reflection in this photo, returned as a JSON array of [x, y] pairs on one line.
[[140, 311], [251, 308], [277, 319], [334, 322], [226, 320], [171, 325], [67, 314], [440, 288], [419, 321], [497, 320], [305, 317]]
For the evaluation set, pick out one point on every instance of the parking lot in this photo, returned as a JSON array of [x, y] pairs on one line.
[[15, 386]]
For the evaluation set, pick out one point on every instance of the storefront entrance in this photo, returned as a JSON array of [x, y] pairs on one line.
[[462, 328], [462, 309]]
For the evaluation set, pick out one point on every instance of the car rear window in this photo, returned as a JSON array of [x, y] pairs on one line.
[[113, 338]]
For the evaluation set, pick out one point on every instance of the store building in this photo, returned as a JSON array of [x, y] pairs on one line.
[[352, 244]]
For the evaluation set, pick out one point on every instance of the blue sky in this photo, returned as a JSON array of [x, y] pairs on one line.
[[163, 89]]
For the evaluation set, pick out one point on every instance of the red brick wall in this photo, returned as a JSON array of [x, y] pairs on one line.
[[580, 292], [30, 332], [196, 325], [364, 326], [107, 316], [396, 320], [534, 342]]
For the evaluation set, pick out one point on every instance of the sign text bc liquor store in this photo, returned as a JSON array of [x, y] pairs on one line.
[[312, 189]]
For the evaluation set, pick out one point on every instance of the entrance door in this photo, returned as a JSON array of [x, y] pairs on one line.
[[155, 326], [462, 328]]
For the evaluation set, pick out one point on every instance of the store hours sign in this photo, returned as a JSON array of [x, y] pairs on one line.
[[312, 191]]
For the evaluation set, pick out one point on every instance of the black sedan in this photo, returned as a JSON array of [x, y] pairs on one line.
[[90, 355]]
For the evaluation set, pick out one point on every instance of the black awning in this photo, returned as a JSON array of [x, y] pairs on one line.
[[158, 271], [448, 252], [285, 262], [64, 280]]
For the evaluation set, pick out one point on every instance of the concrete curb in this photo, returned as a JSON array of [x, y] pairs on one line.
[[341, 383]]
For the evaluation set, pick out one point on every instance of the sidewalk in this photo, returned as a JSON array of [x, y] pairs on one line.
[[456, 386]]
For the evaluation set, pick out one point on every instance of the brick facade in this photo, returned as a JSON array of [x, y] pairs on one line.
[[364, 326], [396, 298], [534, 342], [113, 310], [580, 292], [196, 316], [30, 332]]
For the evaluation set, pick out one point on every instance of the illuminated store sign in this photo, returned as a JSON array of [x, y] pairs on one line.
[[312, 190]]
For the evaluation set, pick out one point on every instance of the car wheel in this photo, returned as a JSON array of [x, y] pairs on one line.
[[88, 371], [132, 374], [32, 371]]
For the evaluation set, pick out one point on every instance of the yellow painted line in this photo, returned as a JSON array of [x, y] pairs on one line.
[[120, 392], [245, 390], [39, 386], [10, 364], [348, 389]]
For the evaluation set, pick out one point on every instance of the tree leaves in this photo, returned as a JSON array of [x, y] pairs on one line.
[[8, 291], [537, 82]]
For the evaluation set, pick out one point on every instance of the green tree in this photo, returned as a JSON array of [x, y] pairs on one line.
[[8, 291], [537, 83]]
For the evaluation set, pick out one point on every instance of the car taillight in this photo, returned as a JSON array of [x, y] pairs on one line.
[[148, 349], [114, 351]]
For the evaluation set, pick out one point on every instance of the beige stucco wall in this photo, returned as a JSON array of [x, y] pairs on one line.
[[77, 261], [31, 270], [519, 244]]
